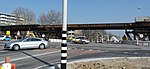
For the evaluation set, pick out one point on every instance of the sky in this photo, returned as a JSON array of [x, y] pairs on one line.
[[85, 11]]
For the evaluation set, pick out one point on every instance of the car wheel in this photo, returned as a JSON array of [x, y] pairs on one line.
[[16, 47], [73, 42], [42, 46], [84, 42]]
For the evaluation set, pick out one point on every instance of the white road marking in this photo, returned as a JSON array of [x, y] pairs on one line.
[[90, 49], [45, 66], [30, 56], [82, 49], [125, 52], [41, 66], [136, 53], [3, 51]]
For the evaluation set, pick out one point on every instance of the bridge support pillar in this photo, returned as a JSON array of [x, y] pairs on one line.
[[128, 34]]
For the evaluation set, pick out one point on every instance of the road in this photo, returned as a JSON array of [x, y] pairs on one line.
[[39, 59]]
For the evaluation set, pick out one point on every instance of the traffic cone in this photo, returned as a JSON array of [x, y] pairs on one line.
[[13, 66]]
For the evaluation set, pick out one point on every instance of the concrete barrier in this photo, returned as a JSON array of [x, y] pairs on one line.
[[111, 63], [55, 40]]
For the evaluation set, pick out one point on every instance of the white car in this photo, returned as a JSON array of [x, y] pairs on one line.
[[2, 37], [26, 43], [5, 37]]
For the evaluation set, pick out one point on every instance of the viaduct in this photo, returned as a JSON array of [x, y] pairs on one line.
[[134, 28]]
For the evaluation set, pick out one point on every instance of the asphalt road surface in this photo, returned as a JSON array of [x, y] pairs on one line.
[[41, 59]]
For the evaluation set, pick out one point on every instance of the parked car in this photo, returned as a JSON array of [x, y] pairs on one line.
[[80, 40], [5, 37], [26, 43]]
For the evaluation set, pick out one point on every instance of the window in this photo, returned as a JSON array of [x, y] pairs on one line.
[[28, 40], [37, 39], [1, 36], [32, 39]]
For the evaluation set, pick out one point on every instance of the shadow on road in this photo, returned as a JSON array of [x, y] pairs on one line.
[[48, 64]]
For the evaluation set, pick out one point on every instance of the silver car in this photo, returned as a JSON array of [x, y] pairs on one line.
[[26, 43]]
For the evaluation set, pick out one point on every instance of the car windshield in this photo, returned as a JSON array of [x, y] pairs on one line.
[[21, 39], [80, 38]]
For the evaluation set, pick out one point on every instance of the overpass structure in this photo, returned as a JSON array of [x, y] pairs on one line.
[[135, 28]]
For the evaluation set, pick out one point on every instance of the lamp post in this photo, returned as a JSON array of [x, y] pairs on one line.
[[139, 10], [64, 37]]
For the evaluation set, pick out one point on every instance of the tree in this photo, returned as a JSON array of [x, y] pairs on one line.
[[43, 19], [93, 35], [27, 15], [51, 18]]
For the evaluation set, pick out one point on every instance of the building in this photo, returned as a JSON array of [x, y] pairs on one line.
[[71, 33], [10, 19], [142, 19], [74, 33]]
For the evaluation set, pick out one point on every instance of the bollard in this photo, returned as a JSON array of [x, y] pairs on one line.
[[13, 66], [7, 64]]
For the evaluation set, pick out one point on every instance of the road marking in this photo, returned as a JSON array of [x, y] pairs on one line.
[[41, 66], [136, 53], [90, 49], [82, 49], [53, 67], [30, 56], [2, 44], [125, 52], [3, 51]]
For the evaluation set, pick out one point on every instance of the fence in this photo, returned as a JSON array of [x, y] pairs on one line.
[[55, 40], [143, 43]]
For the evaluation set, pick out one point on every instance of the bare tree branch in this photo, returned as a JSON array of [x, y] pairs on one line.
[[43, 19], [26, 14], [51, 18]]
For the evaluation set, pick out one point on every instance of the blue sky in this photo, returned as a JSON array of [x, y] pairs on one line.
[[85, 11]]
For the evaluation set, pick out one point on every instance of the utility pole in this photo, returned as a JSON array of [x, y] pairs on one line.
[[64, 37]]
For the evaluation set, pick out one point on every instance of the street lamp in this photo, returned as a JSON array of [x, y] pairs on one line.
[[64, 37], [138, 17], [139, 10]]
